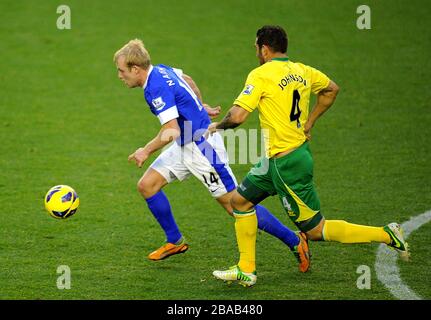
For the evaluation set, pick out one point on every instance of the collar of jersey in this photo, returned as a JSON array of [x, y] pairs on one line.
[[280, 59], [148, 76]]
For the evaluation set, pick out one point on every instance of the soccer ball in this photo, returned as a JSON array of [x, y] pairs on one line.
[[61, 202]]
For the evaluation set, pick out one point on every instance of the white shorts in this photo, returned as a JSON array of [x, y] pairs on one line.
[[206, 159]]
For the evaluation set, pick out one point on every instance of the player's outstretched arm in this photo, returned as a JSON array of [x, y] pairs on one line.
[[168, 132], [325, 99], [235, 116], [192, 85]]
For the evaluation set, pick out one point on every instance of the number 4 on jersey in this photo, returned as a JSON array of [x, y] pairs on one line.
[[295, 113]]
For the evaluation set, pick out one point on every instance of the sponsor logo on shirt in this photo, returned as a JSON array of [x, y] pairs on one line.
[[248, 89], [158, 103]]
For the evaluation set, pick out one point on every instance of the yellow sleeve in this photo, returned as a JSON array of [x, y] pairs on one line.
[[249, 98], [319, 80]]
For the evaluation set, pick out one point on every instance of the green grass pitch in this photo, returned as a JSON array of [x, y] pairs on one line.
[[65, 118]]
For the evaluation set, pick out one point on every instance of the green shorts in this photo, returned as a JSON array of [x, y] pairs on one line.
[[291, 177]]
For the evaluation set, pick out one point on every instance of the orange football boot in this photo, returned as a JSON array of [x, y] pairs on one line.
[[302, 253], [168, 249]]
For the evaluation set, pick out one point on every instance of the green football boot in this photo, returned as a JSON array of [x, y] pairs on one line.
[[397, 240], [234, 273]]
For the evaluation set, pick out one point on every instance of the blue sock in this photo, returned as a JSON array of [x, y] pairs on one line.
[[267, 222], [161, 210]]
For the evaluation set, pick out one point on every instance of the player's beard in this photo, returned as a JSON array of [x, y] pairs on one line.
[[260, 57]]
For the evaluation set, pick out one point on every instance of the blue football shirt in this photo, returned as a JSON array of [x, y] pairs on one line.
[[170, 97]]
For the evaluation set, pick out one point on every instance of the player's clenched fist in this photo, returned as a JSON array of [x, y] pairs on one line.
[[140, 156]]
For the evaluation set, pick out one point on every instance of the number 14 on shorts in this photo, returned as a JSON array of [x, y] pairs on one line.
[[211, 181]]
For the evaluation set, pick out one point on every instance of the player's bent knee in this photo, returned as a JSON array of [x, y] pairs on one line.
[[238, 202], [141, 186], [147, 188]]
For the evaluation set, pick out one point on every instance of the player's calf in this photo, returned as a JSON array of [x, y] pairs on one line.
[[316, 234]]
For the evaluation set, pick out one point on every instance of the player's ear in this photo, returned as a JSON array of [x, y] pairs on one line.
[[265, 50], [134, 69]]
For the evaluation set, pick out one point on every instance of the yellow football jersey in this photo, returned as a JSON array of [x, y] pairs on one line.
[[281, 89]]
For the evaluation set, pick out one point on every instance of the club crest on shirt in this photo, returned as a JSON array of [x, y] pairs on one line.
[[248, 89], [158, 103]]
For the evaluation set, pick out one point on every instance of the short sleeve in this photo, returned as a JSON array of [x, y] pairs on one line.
[[162, 103], [249, 98], [318, 79], [178, 72]]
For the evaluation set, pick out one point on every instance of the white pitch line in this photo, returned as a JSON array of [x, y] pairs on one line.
[[386, 262]]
